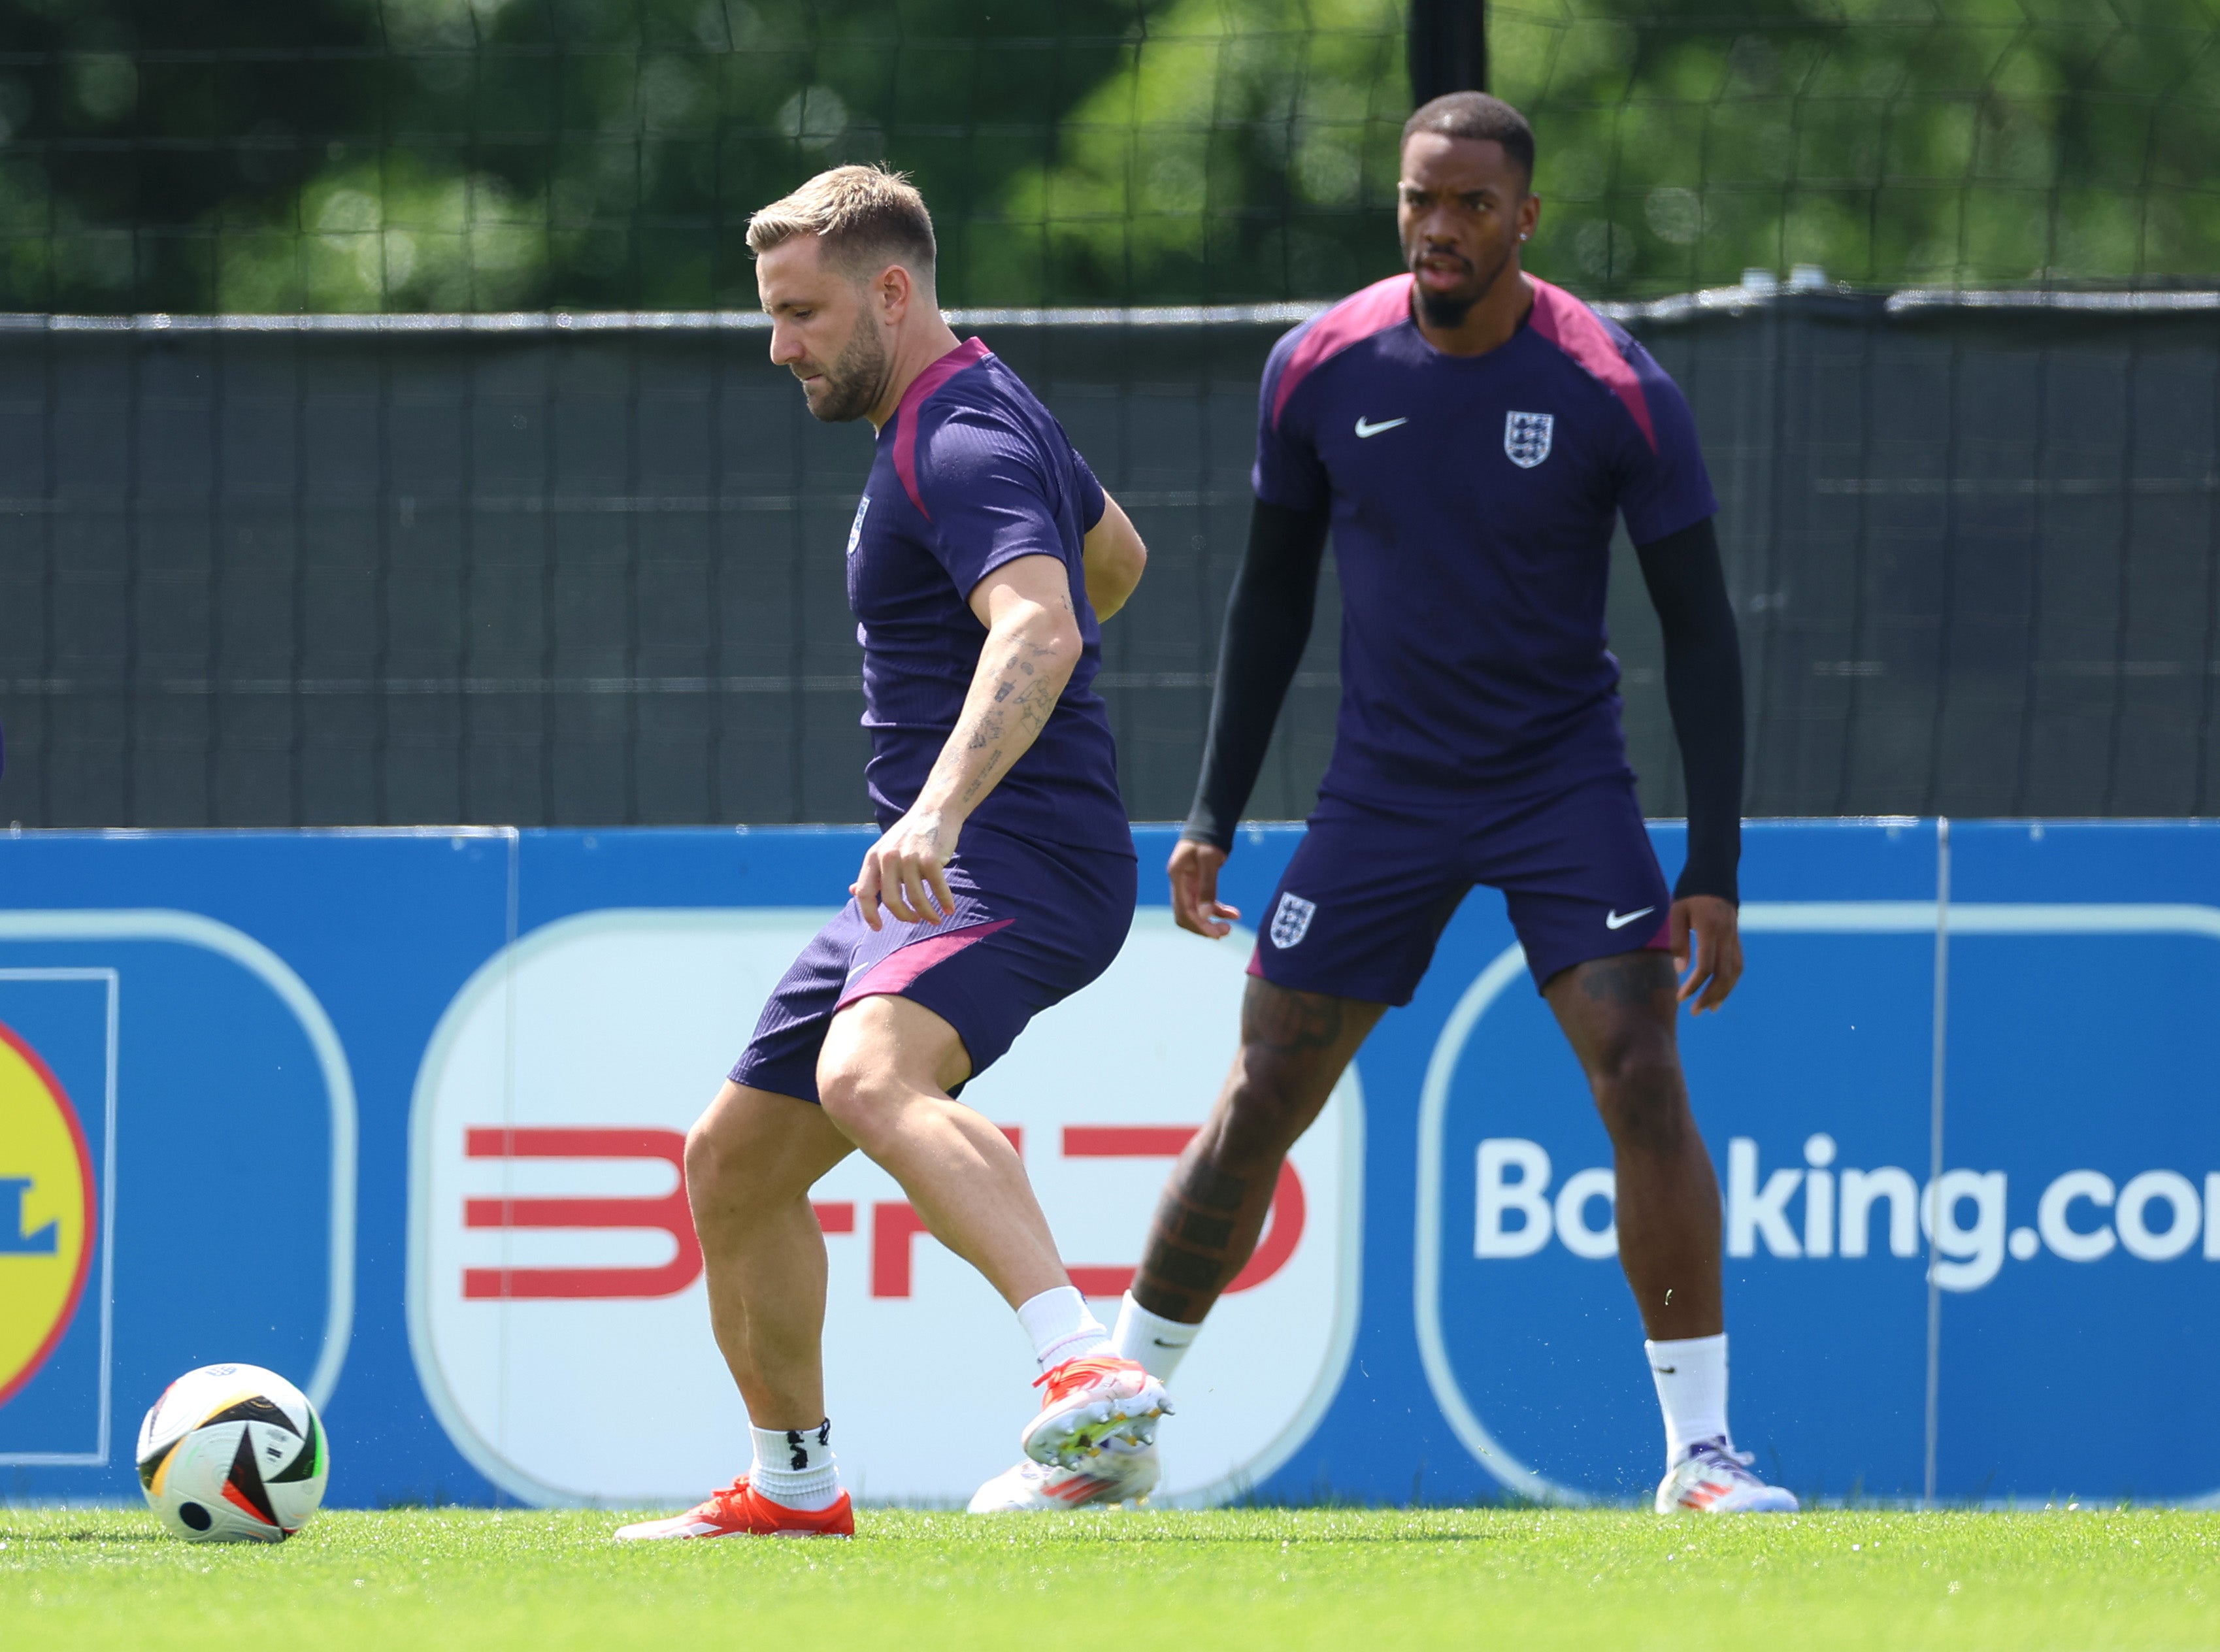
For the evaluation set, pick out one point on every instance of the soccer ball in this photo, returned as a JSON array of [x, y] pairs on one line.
[[233, 1454]]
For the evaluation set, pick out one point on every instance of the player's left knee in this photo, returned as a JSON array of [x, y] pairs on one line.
[[1266, 1108], [707, 1162], [1642, 1097], [861, 1100]]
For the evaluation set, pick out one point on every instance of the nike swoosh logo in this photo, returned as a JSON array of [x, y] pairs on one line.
[[1364, 429], [1615, 921], [1161, 1343], [1665, 1370]]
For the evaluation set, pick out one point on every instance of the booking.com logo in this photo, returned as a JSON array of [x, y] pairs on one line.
[[1816, 1210]]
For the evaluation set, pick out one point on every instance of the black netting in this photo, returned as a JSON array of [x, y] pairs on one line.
[[515, 570]]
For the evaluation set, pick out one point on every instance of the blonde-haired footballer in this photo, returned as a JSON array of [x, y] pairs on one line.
[[984, 554]]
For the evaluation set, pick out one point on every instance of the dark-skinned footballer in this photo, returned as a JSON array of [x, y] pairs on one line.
[[1469, 435]]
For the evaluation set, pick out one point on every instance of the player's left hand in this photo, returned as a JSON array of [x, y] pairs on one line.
[[902, 871], [1716, 928]]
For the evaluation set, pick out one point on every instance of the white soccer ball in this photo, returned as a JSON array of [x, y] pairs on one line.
[[233, 1454]]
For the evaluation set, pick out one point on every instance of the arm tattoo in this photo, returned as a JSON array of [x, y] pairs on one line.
[[986, 729], [1031, 695], [979, 781]]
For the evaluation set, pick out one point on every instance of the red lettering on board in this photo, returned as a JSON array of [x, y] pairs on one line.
[[896, 1225], [667, 1214], [893, 1226]]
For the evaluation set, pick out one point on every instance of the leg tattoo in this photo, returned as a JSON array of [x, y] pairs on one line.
[[1289, 1023], [1191, 1240], [1629, 979], [1293, 1046]]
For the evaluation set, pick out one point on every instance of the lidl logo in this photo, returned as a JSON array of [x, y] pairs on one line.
[[47, 1205]]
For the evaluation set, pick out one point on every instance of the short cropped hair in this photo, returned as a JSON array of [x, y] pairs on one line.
[[866, 216], [1476, 115]]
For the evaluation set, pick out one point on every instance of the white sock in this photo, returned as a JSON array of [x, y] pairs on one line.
[[1061, 1327], [795, 1468], [1691, 1373], [1158, 1343]]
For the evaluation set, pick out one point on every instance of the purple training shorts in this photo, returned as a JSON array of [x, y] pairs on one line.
[[1033, 924], [1368, 894]]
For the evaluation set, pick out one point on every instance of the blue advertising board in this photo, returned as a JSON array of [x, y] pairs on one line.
[[398, 1114]]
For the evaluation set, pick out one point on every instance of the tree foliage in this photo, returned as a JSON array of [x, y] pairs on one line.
[[1889, 141], [401, 154], [1243, 149]]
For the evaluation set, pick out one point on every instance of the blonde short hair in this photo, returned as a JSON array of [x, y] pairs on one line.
[[866, 216]]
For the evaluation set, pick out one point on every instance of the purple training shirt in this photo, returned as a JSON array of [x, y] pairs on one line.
[[971, 472], [1473, 499]]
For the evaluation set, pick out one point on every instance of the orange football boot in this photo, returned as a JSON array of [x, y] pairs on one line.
[[1091, 1401], [739, 1511]]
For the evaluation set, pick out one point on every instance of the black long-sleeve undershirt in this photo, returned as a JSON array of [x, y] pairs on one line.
[[1702, 690], [1268, 621]]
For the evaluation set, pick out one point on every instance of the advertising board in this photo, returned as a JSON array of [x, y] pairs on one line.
[[547, 1138], [401, 1114]]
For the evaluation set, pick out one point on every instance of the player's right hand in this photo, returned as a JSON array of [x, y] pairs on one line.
[[902, 871], [1707, 950], [1195, 905]]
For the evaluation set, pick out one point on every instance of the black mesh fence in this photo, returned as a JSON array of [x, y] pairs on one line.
[[523, 571], [1973, 543], [588, 569]]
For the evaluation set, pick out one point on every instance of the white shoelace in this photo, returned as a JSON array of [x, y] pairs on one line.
[[1733, 1462]]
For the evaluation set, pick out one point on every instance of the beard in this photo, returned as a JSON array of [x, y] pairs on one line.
[[1447, 310], [849, 387]]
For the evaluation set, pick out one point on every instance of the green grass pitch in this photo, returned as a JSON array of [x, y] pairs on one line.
[[1373, 1579]]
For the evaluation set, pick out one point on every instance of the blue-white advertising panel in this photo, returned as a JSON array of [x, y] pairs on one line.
[[400, 1113]]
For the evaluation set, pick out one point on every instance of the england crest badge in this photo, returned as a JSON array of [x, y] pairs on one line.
[[1291, 920], [1526, 437], [855, 527]]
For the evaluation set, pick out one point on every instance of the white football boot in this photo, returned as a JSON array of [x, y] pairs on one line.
[[1119, 1473], [1089, 1403], [1715, 1479]]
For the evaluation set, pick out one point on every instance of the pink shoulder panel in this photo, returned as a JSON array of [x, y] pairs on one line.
[[1374, 309], [1579, 333], [970, 352]]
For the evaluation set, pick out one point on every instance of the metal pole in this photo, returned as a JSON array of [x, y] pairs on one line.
[[1448, 48], [1937, 1078]]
